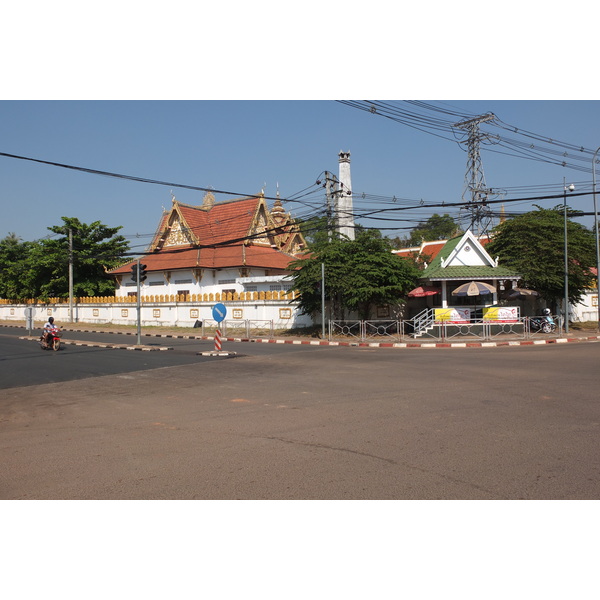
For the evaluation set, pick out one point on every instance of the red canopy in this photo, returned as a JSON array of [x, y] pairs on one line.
[[423, 290]]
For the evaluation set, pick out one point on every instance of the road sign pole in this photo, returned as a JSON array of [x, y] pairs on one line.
[[139, 306], [219, 312]]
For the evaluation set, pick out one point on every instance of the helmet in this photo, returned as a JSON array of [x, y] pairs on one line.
[[546, 311], [51, 320]]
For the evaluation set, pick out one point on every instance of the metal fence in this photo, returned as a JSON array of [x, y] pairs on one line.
[[247, 328], [419, 330]]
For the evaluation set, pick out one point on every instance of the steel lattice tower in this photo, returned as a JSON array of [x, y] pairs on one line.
[[476, 190]]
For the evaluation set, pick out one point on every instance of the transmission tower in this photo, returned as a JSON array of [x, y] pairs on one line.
[[476, 191]]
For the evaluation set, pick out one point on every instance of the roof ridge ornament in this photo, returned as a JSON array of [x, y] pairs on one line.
[[209, 200]]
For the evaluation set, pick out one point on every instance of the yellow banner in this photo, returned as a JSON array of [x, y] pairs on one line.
[[452, 315], [501, 314]]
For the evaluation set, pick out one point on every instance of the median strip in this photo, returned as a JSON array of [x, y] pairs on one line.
[[104, 345]]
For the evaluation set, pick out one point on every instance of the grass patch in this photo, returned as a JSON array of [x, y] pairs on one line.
[[584, 325]]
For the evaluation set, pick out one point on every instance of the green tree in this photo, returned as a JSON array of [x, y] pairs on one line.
[[15, 272], [437, 227], [315, 230], [533, 245], [96, 248], [42, 268], [359, 274]]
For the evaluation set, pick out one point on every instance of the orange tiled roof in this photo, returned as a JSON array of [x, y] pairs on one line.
[[217, 233], [213, 258]]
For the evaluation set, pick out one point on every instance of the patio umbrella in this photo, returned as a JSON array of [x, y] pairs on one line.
[[520, 293], [422, 291], [474, 288]]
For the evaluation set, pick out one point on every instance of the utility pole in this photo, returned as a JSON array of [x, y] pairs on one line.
[[566, 274], [139, 303], [329, 199], [475, 185], [323, 301], [70, 275]]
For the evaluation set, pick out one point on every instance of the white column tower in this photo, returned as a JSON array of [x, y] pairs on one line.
[[344, 212]]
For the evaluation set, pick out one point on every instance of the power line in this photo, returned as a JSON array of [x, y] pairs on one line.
[[533, 146], [134, 178]]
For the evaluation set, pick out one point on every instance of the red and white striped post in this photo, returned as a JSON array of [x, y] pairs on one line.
[[218, 340]]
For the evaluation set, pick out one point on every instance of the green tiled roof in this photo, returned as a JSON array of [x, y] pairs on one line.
[[436, 271]]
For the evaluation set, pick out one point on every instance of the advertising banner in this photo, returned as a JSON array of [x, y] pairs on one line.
[[452, 315], [501, 314]]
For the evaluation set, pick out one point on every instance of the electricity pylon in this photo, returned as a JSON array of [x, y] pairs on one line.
[[476, 191]]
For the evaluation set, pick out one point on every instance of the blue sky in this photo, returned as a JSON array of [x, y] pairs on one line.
[[237, 96], [239, 146]]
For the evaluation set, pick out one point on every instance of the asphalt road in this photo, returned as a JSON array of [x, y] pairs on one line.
[[299, 422]]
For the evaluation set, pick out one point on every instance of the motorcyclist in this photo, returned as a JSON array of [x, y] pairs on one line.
[[548, 316], [49, 327]]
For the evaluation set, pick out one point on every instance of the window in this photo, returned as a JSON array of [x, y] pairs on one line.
[[225, 281], [276, 287], [252, 288], [182, 281], [383, 312], [156, 283]]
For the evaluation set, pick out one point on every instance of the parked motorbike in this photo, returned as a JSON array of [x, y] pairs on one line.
[[52, 342], [545, 324]]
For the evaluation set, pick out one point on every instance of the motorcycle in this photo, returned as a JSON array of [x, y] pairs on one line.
[[544, 324], [52, 342]]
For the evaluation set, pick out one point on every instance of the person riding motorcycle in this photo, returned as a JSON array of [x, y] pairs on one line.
[[49, 326]]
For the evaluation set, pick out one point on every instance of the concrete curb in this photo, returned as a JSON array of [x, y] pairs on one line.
[[318, 342], [482, 344], [101, 345]]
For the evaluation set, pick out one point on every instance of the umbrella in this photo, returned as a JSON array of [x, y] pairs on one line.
[[422, 291], [474, 288], [520, 293]]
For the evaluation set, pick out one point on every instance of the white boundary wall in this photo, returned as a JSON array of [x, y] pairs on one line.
[[282, 313], [587, 310]]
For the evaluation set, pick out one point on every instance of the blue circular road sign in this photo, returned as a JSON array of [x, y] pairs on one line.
[[219, 311]]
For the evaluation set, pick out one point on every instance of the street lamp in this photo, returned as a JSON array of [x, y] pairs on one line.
[[566, 304], [597, 245]]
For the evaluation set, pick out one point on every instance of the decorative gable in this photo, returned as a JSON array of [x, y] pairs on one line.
[[463, 258], [178, 235], [468, 252], [173, 231], [261, 225]]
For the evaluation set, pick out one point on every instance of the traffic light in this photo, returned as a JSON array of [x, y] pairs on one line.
[[134, 272], [138, 271]]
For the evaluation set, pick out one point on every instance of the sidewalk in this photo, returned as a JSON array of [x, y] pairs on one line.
[[575, 335]]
